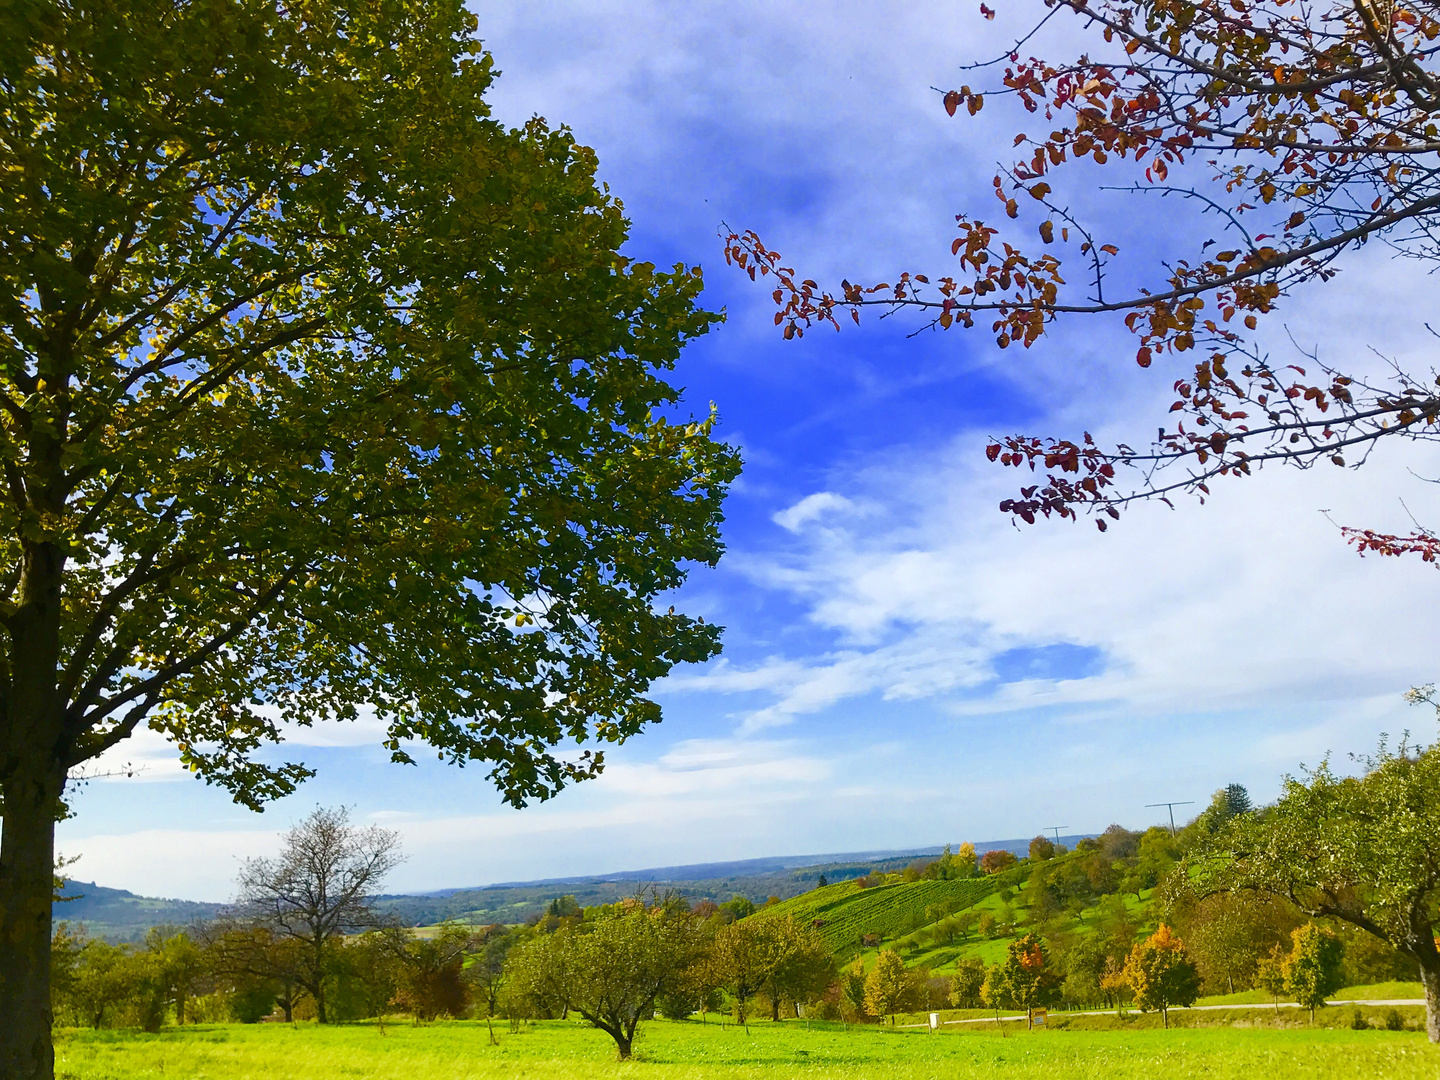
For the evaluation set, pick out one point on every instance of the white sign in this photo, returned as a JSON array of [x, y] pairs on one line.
[[934, 1021]]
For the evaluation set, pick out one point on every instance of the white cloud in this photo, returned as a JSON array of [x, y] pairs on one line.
[[811, 508], [1250, 600]]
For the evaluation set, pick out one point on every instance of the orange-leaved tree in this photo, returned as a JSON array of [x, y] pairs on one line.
[[1302, 130], [1160, 974]]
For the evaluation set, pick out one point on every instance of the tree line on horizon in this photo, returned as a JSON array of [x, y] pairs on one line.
[[1235, 900]]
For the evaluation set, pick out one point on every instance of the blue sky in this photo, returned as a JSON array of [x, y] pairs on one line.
[[902, 666]]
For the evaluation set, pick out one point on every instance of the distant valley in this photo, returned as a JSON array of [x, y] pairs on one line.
[[118, 915]]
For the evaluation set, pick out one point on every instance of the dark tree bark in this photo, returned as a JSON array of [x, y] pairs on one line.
[[27, 882], [32, 781]]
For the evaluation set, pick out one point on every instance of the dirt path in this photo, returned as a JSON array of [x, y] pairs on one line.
[[1192, 1008]]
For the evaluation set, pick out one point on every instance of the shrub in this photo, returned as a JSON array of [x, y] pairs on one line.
[[676, 1005], [252, 1004], [1393, 1020], [1357, 1020]]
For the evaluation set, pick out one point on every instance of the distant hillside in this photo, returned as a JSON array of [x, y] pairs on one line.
[[117, 915], [514, 903], [783, 876], [845, 914]]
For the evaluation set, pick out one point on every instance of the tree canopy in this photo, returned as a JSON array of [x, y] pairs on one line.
[[1356, 849], [320, 391], [611, 971]]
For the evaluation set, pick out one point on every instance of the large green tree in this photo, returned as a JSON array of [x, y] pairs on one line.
[[1358, 849], [320, 391]]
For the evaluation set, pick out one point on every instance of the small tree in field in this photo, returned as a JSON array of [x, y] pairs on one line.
[[852, 991], [1025, 979], [965, 984], [782, 956], [966, 863], [804, 965], [613, 974], [887, 986], [318, 890], [431, 973], [1270, 975], [1313, 970], [1160, 974], [993, 862]]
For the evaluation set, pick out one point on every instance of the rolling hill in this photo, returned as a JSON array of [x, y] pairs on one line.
[[118, 916]]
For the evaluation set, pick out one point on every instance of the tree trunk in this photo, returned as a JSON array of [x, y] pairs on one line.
[[623, 1045], [775, 1010], [30, 747], [1430, 979], [317, 977], [27, 887]]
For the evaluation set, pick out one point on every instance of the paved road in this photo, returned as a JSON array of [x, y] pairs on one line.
[[1192, 1008]]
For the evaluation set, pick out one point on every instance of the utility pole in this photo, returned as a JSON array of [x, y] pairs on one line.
[[1056, 830], [1171, 806]]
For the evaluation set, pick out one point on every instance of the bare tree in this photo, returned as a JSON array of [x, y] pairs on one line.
[[318, 890]]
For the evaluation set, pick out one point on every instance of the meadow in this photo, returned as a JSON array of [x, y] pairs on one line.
[[559, 1050]]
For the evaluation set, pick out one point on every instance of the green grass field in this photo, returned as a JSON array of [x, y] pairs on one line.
[[690, 1051]]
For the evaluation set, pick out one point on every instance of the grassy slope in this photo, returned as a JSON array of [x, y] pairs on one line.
[[560, 1051], [940, 959], [849, 911]]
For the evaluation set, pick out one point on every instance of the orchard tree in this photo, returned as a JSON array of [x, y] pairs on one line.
[[612, 974], [432, 972], [321, 392], [1270, 975], [1025, 979], [1357, 849], [1041, 848], [1314, 969], [317, 891], [965, 984], [1228, 936], [993, 862], [1161, 975], [744, 956], [852, 990], [1282, 135], [803, 965], [887, 986], [256, 962], [966, 862]]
